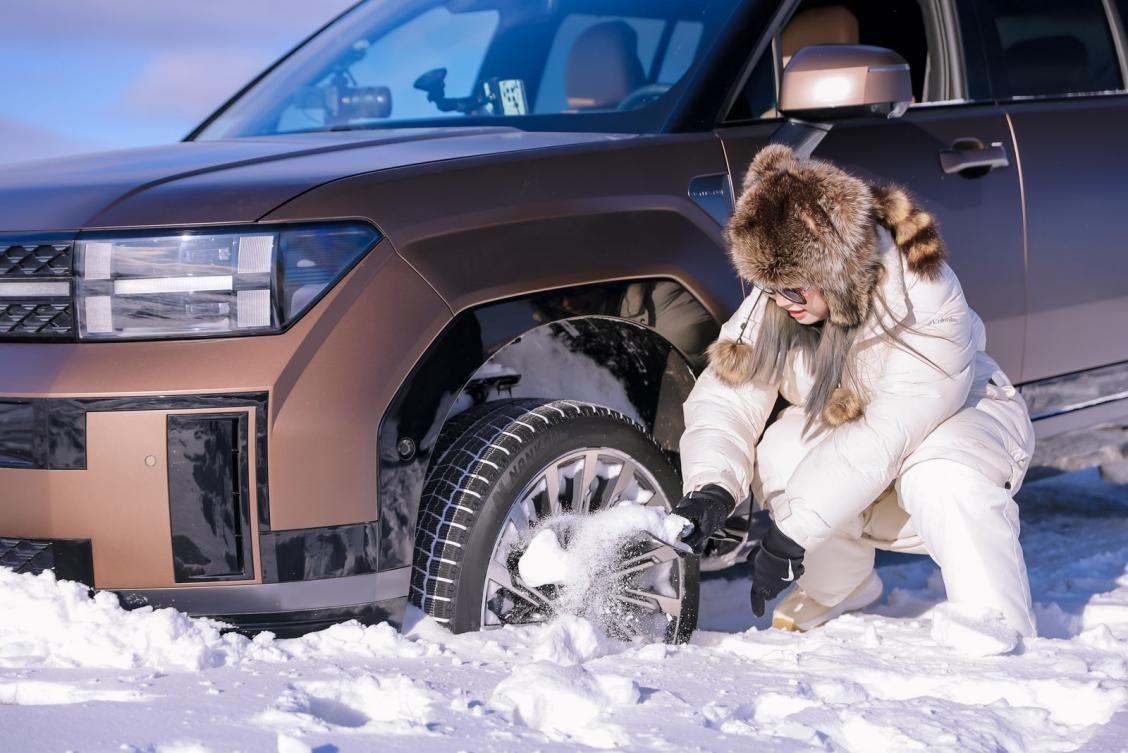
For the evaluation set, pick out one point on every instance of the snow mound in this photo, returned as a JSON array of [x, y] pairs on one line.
[[971, 631], [49, 623], [352, 639], [52, 623], [569, 640], [37, 693], [393, 704], [567, 703]]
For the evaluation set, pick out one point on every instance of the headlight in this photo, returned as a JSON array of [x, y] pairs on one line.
[[209, 282]]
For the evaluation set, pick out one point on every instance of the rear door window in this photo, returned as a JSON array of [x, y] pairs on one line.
[[1048, 48]]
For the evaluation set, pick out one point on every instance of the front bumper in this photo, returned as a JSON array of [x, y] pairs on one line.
[[166, 490], [165, 501], [241, 466]]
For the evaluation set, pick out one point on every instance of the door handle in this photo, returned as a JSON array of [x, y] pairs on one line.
[[971, 157]]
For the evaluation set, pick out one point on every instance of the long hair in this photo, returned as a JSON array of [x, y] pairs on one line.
[[825, 348]]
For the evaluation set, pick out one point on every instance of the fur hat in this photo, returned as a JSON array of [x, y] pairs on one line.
[[805, 222]]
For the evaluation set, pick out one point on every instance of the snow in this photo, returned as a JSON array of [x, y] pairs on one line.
[[595, 545], [910, 673], [594, 542], [971, 631]]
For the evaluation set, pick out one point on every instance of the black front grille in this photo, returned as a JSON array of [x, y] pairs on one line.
[[32, 259], [71, 559], [38, 319], [26, 555], [35, 259]]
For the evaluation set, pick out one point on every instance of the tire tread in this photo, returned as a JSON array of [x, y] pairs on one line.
[[459, 481]]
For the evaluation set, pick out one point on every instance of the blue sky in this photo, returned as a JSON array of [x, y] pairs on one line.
[[86, 75]]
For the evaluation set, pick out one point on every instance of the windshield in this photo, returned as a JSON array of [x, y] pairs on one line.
[[524, 63]]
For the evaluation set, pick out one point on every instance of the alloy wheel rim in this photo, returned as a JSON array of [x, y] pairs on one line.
[[579, 482]]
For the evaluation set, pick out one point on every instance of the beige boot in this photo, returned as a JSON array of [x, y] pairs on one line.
[[800, 612]]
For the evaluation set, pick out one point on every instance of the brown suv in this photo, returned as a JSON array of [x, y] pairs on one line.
[[449, 267]]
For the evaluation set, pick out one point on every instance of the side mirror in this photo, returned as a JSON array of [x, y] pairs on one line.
[[835, 81]]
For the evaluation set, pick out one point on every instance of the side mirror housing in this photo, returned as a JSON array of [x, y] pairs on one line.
[[836, 81]]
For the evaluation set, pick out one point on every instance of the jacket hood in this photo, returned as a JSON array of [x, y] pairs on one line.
[[805, 222], [229, 181]]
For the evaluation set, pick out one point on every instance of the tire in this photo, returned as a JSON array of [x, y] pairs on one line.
[[465, 577]]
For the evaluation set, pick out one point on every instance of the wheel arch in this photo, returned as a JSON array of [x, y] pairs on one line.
[[632, 345]]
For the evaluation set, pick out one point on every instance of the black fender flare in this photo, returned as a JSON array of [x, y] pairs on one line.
[[632, 345]]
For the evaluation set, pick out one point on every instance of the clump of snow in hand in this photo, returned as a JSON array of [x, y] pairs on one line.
[[567, 703], [545, 561], [972, 631], [579, 554]]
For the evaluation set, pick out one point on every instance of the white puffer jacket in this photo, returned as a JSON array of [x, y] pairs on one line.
[[905, 420]]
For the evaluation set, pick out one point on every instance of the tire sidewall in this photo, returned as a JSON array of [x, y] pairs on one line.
[[583, 431]]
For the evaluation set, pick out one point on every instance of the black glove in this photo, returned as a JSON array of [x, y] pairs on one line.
[[776, 562], [707, 509]]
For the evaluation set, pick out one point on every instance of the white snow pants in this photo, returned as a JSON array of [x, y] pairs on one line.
[[966, 521]]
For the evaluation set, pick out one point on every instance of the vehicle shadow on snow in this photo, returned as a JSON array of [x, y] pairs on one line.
[[1074, 538]]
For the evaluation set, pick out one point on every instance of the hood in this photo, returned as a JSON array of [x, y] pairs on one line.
[[231, 181]]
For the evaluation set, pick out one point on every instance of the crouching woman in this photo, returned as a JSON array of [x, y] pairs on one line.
[[899, 432]]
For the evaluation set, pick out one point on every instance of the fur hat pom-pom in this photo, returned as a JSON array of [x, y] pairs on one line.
[[731, 360], [844, 406]]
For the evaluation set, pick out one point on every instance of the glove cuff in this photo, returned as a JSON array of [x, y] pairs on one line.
[[780, 570], [717, 493]]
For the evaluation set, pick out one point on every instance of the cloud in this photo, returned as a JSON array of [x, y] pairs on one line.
[[192, 82], [20, 142], [146, 71], [169, 23]]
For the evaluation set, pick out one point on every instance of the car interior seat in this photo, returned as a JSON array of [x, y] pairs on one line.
[[603, 66], [1047, 65], [830, 24]]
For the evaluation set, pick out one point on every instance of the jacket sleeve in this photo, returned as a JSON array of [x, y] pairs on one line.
[[854, 463], [723, 423]]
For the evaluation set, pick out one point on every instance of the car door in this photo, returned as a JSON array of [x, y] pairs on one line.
[[932, 150], [1057, 69]]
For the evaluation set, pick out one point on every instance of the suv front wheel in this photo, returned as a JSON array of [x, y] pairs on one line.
[[499, 473]]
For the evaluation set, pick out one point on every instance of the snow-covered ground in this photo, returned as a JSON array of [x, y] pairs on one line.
[[82, 675]]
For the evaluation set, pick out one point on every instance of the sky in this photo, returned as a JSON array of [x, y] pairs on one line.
[[88, 75]]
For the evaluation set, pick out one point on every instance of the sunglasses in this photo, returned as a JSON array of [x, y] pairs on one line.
[[795, 295]]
